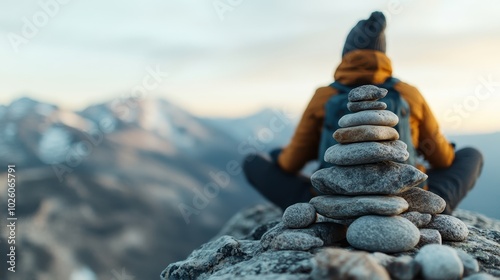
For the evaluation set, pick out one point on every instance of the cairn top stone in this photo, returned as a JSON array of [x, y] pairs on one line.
[[366, 93]]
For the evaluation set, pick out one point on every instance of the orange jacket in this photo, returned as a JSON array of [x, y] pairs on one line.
[[361, 67]]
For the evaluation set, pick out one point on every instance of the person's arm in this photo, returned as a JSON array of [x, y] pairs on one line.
[[437, 150], [305, 142]]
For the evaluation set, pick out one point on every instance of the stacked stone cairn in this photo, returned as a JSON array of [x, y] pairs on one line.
[[370, 189]]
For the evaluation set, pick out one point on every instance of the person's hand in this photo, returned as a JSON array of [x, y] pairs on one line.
[[274, 154]]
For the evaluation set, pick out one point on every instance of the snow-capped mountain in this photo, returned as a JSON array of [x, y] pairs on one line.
[[145, 187]]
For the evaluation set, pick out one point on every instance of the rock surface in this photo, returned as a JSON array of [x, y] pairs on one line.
[[243, 257], [451, 228], [370, 117], [423, 201], [383, 234], [299, 215], [367, 152], [365, 133], [348, 207], [377, 178]]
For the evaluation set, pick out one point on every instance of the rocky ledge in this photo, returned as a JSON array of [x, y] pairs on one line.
[[252, 246]]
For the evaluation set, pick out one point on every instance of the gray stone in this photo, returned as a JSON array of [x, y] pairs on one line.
[[383, 234], [423, 201], [374, 178], [329, 233], [346, 207], [366, 92], [417, 218], [299, 215], [480, 276], [365, 133], [369, 117], [471, 266], [267, 265], [367, 152], [451, 228], [366, 105], [342, 264], [429, 236], [297, 241], [439, 262], [403, 268]]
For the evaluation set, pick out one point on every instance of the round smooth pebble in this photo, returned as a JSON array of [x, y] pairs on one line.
[[299, 215], [367, 152], [345, 207], [417, 218], [451, 228], [429, 236], [375, 178], [366, 105], [370, 117], [439, 262], [471, 266], [366, 93], [365, 133], [383, 234], [423, 201]]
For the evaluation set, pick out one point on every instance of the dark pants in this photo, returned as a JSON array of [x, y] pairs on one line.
[[284, 189], [453, 183]]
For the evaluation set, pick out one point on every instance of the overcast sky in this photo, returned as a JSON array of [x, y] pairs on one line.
[[232, 57]]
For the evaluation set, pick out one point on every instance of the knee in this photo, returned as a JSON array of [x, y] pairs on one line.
[[472, 155]]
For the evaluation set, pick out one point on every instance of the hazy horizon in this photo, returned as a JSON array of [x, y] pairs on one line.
[[229, 60]]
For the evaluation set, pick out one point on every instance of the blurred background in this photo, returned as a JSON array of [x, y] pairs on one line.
[[128, 120]]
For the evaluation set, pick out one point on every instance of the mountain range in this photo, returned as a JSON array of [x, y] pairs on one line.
[[130, 185]]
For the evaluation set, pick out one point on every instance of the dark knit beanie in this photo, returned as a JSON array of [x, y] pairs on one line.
[[368, 34]]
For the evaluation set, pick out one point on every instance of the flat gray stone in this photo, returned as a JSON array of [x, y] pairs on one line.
[[451, 228], [367, 152], [365, 133], [429, 236], [322, 219], [299, 215], [329, 233], [471, 266], [366, 105], [417, 218], [370, 117], [423, 201], [403, 268], [296, 241], [333, 263], [366, 93], [347, 207], [383, 234], [375, 178], [439, 262]]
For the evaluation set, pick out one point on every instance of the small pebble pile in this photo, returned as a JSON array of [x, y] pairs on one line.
[[370, 189]]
